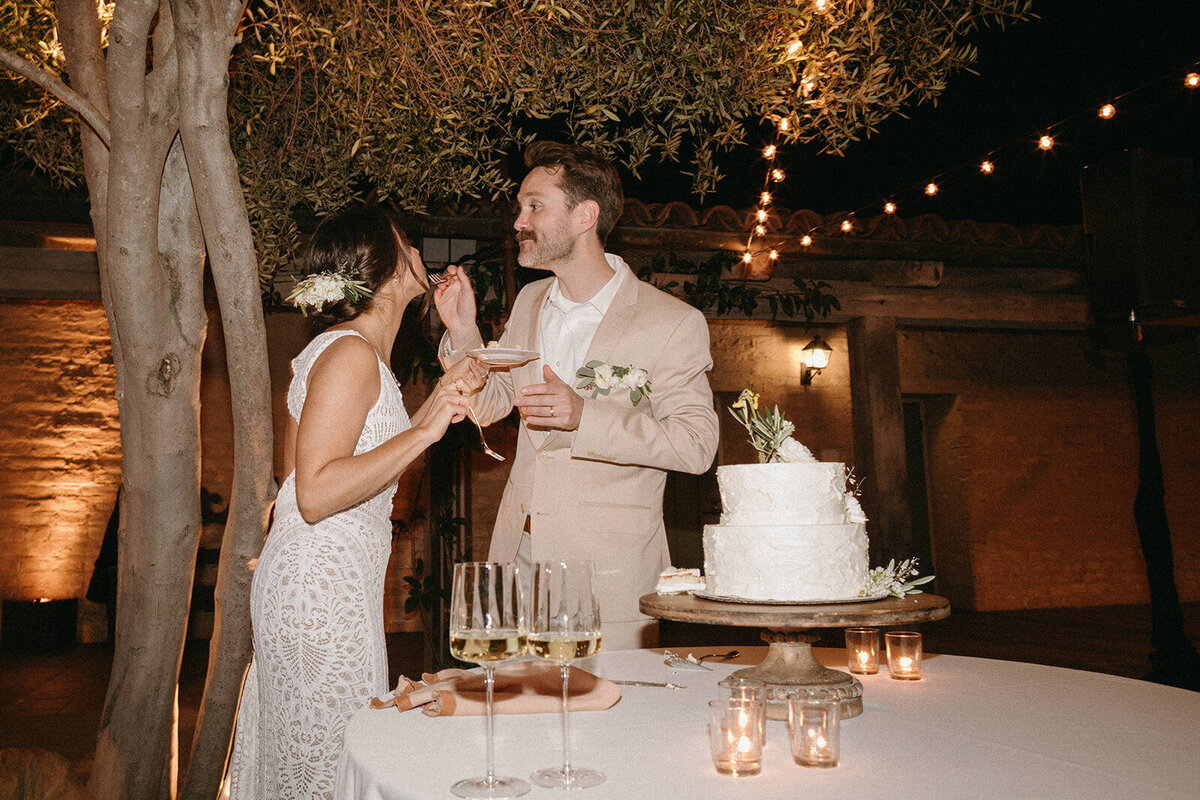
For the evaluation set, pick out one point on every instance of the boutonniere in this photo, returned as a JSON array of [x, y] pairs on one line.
[[602, 378]]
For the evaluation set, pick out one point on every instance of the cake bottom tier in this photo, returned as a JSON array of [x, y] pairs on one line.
[[788, 563]]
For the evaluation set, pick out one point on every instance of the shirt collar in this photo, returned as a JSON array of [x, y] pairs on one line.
[[602, 299]]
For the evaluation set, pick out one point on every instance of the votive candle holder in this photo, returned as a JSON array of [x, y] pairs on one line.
[[862, 650], [904, 655], [814, 728], [749, 689], [733, 736]]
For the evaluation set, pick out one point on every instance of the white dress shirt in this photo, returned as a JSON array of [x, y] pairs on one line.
[[566, 328]]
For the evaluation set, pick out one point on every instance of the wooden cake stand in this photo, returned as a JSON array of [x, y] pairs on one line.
[[790, 631]]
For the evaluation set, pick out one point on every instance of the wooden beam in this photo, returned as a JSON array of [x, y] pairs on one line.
[[878, 420], [31, 272], [943, 306]]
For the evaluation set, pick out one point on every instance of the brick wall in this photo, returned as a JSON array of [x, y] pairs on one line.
[[60, 452]]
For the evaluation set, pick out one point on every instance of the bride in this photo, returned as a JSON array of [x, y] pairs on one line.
[[317, 594]]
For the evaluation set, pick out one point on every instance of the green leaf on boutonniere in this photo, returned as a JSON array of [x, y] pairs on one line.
[[635, 395]]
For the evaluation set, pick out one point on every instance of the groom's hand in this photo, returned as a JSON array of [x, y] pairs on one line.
[[552, 404], [455, 301]]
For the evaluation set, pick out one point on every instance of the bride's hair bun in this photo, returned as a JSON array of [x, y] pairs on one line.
[[363, 244]]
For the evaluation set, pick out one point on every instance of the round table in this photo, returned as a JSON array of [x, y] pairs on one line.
[[970, 728], [791, 631]]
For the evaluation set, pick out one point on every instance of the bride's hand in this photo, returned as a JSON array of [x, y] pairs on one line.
[[444, 406], [467, 376]]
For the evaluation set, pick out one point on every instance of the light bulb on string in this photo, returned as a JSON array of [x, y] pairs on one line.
[[769, 151], [793, 48], [889, 207], [746, 257], [821, 6], [777, 175], [760, 230], [761, 214], [1107, 111], [1045, 142], [805, 240], [931, 188], [987, 167], [774, 255], [847, 226], [1192, 80], [784, 125], [765, 199]]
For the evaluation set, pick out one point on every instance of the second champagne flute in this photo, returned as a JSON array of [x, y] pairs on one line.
[[564, 625], [487, 626]]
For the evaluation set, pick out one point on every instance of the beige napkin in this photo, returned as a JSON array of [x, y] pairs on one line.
[[523, 687]]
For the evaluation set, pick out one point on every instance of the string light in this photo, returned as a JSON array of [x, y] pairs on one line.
[[769, 151], [793, 47], [1107, 111], [784, 125], [746, 257], [765, 199], [774, 255], [821, 6], [776, 175], [889, 207], [987, 167], [761, 214], [931, 188], [847, 226], [1045, 142], [1192, 80], [805, 240], [761, 230]]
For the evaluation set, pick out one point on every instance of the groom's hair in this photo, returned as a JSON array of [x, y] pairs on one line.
[[583, 174]]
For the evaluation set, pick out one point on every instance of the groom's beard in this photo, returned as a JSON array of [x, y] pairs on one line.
[[540, 250]]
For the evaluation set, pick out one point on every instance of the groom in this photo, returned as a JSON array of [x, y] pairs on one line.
[[587, 481]]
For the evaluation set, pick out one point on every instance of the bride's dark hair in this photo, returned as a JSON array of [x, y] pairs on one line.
[[364, 243]]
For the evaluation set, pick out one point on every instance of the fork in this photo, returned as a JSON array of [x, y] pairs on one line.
[[483, 441], [436, 278]]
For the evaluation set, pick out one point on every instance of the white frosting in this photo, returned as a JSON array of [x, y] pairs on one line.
[[782, 494], [789, 532], [785, 562]]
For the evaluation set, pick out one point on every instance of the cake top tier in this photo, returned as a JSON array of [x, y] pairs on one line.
[[804, 493]]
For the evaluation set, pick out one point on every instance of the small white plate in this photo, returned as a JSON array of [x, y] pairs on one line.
[[503, 356], [724, 599]]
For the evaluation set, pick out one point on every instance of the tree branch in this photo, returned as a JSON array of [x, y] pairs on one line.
[[90, 114]]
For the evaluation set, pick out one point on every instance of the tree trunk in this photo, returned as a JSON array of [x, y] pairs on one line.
[[204, 41], [153, 256]]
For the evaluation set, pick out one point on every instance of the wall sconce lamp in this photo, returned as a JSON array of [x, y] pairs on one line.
[[816, 358]]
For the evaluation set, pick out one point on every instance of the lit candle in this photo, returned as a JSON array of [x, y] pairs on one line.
[[733, 730], [904, 655], [813, 722], [862, 650]]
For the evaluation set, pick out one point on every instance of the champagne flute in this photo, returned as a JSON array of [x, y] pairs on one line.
[[565, 625], [487, 626]]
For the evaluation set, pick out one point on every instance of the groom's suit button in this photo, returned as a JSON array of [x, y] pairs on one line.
[[542, 456]]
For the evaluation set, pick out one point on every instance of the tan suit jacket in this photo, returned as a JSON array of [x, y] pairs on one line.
[[596, 492]]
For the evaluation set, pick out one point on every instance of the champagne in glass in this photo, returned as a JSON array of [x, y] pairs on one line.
[[488, 626], [565, 625]]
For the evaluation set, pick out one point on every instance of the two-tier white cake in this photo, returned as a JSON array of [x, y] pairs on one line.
[[789, 532]]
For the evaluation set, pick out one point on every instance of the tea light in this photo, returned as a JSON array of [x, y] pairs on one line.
[[733, 736], [904, 655], [813, 727], [862, 650], [748, 689]]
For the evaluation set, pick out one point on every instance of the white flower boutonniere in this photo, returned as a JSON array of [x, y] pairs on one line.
[[602, 378]]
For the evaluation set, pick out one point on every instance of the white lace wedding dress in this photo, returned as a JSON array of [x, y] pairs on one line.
[[317, 609]]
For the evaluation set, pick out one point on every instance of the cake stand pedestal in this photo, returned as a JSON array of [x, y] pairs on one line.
[[790, 631]]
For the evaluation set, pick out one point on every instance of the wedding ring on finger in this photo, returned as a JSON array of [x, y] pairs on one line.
[[552, 411]]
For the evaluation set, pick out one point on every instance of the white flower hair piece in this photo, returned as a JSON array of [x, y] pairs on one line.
[[602, 378], [328, 286]]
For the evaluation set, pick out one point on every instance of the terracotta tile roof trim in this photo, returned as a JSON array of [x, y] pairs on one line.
[[923, 228]]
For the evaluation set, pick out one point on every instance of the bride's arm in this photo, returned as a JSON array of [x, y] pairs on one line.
[[343, 385]]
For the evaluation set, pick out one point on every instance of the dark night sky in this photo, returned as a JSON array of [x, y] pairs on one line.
[[1077, 56]]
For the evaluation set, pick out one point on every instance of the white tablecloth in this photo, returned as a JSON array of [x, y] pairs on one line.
[[972, 728]]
